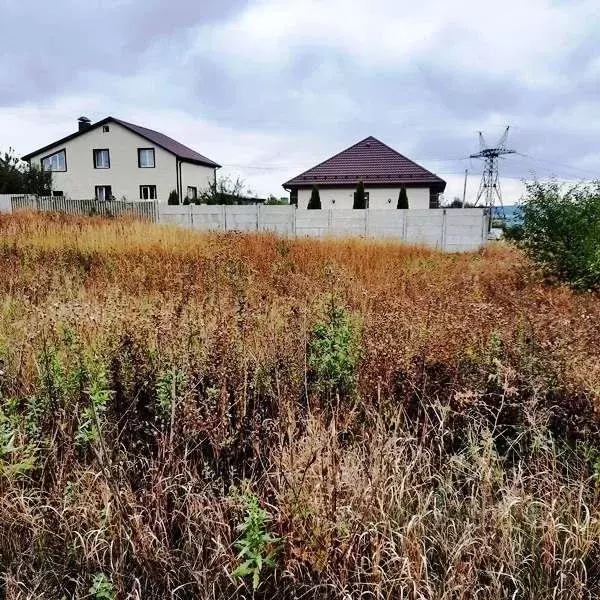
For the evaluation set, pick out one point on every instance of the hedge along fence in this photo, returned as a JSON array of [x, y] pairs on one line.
[[143, 210]]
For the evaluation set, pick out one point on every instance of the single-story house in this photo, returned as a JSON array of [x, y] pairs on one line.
[[383, 172], [116, 159]]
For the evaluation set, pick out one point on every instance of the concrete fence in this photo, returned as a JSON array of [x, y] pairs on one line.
[[451, 230]]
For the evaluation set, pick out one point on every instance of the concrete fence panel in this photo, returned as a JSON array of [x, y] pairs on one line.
[[312, 222], [241, 218], [425, 227], [208, 217], [347, 222], [278, 219], [174, 215], [465, 229], [389, 224]]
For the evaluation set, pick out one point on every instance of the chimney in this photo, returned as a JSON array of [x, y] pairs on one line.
[[84, 123]]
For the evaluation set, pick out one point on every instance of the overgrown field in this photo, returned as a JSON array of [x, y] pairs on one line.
[[222, 416]]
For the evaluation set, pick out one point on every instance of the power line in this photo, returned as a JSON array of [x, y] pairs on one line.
[[563, 165]]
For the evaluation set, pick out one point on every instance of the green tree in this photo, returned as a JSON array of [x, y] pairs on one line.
[[274, 201], [173, 198], [402, 198], [223, 191], [560, 230], [17, 177], [315, 199], [360, 199]]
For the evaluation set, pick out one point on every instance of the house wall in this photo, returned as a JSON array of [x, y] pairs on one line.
[[198, 176], [379, 197], [124, 175]]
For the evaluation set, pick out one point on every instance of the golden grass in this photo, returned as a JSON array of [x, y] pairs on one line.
[[462, 465]]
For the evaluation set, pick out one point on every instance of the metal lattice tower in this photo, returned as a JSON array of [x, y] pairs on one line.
[[489, 188]]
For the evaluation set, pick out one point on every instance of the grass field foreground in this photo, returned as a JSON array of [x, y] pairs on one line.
[[190, 415]]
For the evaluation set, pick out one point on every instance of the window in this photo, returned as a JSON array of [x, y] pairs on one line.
[[192, 192], [104, 193], [146, 158], [147, 192], [57, 193], [101, 159], [105, 128], [55, 162]]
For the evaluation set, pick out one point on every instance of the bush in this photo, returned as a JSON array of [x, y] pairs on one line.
[[334, 351], [315, 199], [402, 199], [173, 198], [560, 230], [360, 199]]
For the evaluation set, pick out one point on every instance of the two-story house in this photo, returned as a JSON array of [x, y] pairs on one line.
[[116, 159]]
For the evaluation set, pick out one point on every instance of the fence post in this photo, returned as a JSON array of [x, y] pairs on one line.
[[404, 224], [258, 217], [294, 212], [224, 212], [443, 240]]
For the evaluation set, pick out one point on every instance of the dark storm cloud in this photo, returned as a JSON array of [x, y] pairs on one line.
[[47, 46]]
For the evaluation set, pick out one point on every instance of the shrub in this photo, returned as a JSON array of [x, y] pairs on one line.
[[360, 199], [402, 199], [334, 350], [173, 198], [315, 199], [257, 547], [560, 230]]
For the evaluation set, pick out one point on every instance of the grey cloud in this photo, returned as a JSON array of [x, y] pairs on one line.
[[46, 47]]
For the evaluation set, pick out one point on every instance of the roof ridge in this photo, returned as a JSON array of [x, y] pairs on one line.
[[406, 158]]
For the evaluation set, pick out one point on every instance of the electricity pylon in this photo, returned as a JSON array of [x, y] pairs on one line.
[[489, 188]]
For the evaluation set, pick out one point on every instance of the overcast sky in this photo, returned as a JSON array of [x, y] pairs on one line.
[[269, 88]]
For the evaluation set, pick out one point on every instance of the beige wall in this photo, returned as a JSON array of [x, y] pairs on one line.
[[418, 198], [124, 175], [198, 176]]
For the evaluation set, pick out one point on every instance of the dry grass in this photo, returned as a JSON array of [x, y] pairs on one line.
[[153, 378]]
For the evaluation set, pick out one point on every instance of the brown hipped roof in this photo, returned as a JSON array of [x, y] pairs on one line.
[[371, 162], [160, 139]]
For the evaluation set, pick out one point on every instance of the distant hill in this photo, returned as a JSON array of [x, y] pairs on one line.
[[510, 213]]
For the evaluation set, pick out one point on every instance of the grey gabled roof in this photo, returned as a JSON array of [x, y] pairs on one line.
[[160, 139], [371, 162]]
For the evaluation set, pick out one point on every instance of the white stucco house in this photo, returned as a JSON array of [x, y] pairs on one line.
[[383, 172], [116, 159]]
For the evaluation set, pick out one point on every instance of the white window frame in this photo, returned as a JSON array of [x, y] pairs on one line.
[[100, 193], [147, 192], [101, 153], [52, 162], [145, 164]]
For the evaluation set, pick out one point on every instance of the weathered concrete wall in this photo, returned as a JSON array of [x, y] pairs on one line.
[[453, 230]]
